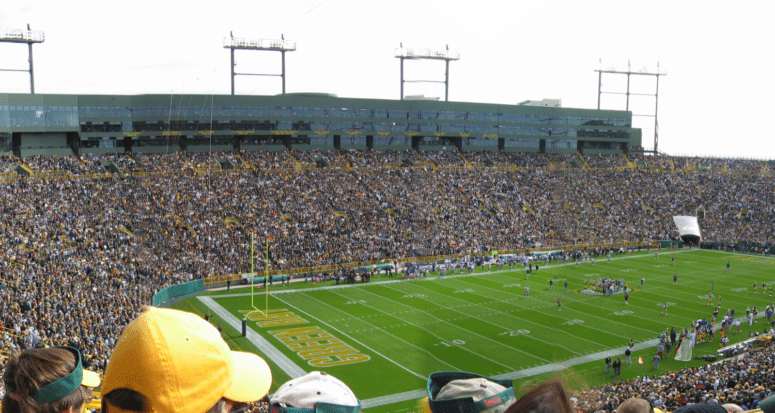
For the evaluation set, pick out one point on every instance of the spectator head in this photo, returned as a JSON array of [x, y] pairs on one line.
[[47, 380], [768, 405], [549, 397], [636, 405], [314, 392], [701, 408], [450, 392], [172, 361]]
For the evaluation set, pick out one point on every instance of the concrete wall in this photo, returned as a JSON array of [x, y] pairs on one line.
[[99, 151], [208, 148], [258, 148]]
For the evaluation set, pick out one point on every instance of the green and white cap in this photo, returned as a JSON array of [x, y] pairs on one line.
[[454, 392]]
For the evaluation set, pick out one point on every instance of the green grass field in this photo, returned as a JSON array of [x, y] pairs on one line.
[[384, 338]]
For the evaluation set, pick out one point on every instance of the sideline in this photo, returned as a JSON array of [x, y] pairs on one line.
[[290, 368], [437, 277], [283, 362]]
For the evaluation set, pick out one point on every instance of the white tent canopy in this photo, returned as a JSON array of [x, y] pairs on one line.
[[688, 226]]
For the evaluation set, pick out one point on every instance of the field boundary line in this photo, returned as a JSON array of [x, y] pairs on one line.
[[281, 360], [531, 337], [351, 338], [453, 276], [441, 338], [354, 318], [484, 305]]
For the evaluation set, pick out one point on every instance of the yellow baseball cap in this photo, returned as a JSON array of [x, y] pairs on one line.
[[180, 363]]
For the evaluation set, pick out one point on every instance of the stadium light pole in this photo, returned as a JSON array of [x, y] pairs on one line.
[[629, 72], [270, 45], [21, 36], [426, 54]]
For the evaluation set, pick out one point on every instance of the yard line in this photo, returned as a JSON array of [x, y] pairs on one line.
[[498, 325], [608, 320], [458, 327], [528, 321], [380, 329], [284, 363], [348, 336]]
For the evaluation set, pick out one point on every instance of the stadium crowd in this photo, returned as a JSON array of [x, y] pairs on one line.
[[80, 256], [744, 381]]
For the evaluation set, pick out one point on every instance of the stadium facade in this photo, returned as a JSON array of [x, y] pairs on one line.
[[58, 124]]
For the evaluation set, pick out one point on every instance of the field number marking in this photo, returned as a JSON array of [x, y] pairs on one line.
[[625, 312], [467, 290], [515, 333], [573, 322], [454, 342], [355, 302]]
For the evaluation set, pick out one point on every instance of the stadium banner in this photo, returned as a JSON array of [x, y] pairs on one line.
[[553, 253], [687, 226]]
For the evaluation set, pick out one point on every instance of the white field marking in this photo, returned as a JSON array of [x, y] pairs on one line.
[[529, 321], [693, 281], [394, 398], [349, 337], [457, 327], [284, 363], [498, 325], [606, 320], [663, 288], [476, 274]]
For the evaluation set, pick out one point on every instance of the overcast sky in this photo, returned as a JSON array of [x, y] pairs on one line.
[[717, 56]]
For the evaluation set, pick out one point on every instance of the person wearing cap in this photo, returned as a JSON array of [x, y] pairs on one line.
[[47, 380], [170, 361], [452, 392], [314, 392]]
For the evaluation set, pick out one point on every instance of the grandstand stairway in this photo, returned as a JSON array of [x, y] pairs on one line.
[[126, 231], [583, 160]]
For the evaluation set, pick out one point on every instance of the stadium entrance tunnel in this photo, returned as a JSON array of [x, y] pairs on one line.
[[691, 240]]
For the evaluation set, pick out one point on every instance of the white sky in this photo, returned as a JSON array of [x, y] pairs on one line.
[[717, 55]]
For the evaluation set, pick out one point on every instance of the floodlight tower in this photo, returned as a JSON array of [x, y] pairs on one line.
[[629, 72], [241, 43], [21, 36], [426, 54]]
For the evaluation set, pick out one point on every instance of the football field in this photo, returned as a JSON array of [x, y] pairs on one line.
[[385, 337]]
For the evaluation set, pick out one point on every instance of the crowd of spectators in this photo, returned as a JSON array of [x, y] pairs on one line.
[[742, 381], [265, 160], [605, 161], [79, 257], [56, 163], [123, 161], [445, 159]]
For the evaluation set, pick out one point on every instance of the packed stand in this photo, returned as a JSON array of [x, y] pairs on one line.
[[475, 158], [122, 161], [605, 161], [71, 238], [163, 162], [332, 157], [736, 381], [57, 163], [564, 160], [656, 162], [7, 161], [445, 159], [528, 160], [266, 160]]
